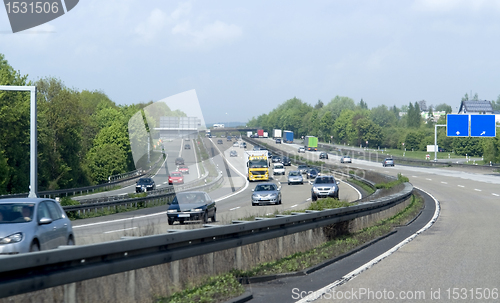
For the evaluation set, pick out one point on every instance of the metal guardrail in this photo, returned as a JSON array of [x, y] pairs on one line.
[[85, 189], [40, 270]]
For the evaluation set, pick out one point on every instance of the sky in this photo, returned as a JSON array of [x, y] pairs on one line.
[[244, 58]]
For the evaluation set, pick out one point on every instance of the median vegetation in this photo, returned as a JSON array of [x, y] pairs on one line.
[[223, 287], [391, 184]]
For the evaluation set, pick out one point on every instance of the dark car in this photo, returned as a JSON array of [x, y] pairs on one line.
[[179, 161], [187, 146], [145, 184], [323, 155], [325, 186], [219, 141], [229, 138], [276, 159], [303, 168], [312, 173], [286, 161], [191, 206], [33, 224], [388, 162], [278, 141]]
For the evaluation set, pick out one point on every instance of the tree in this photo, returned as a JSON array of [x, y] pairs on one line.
[[339, 104], [319, 105], [382, 116], [362, 104], [443, 107], [326, 126], [465, 98]]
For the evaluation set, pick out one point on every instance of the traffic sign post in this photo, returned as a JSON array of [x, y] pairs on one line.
[[482, 126], [457, 125]]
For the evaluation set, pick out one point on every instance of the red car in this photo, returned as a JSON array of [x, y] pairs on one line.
[[183, 169], [175, 177]]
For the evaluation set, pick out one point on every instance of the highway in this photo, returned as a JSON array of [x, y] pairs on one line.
[[232, 197], [454, 258]]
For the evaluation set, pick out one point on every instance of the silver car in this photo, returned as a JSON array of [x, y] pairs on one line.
[[388, 162], [325, 186], [33, 224], [266, 193], [295, 177]]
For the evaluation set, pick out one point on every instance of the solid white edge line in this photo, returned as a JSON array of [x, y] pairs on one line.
[[360, 196], [320, 292], [196, 159], [114, 231], [234, 168]]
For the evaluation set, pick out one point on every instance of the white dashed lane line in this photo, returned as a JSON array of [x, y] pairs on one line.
[[234, 208], [444, 182], [495, 195], [294, 206], [460, 186], [428, 179], [477, 189], [114, 231]]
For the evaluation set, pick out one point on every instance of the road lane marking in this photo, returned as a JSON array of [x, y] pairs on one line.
[[460, 186], [414, 176], [234, 208], [114, 231], [294, 206], [477, 189], [428, 179], [328, 288], [495, 195], [444, 182]]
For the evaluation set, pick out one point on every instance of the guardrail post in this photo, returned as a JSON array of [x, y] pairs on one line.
[[70, 293], [239, 263], [131, 285], [175, 273]]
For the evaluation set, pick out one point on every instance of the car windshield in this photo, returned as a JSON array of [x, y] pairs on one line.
[[265, 187], [258, 163], [145, 181], [176, 175], [313, 171], [294, 173], [324, 180], [278, 166], [302, 166], [189, 198], [16, 212]]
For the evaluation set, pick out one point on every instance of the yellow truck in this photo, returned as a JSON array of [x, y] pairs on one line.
[[257, 162]]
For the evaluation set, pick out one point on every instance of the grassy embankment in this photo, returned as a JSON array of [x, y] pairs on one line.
[[223, 287]]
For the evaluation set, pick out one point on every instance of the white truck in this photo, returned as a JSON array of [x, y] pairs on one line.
[[276, 133], [257, 163], [266, 135], [249, 134]]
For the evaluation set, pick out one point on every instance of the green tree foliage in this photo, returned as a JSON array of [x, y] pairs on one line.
[[469, 146], [14, 138], [444, 107], [414, 118], [362, 104], [383, 117], [339, 104]]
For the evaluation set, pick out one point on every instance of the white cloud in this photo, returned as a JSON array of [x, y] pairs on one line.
[[153, 25], [209, 35]]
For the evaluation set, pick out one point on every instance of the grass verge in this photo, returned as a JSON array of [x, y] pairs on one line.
[[387, 185], [222, 287], [365, 187]]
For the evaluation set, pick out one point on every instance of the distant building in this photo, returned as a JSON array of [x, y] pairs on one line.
[[476, 107]]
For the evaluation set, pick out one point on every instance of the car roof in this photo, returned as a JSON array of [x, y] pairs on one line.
[[24, 200]]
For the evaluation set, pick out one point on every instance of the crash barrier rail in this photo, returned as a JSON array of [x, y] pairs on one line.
[[40, 270], [88, 189], [330, 167], [156, 195], [117, 200], [380, 156]]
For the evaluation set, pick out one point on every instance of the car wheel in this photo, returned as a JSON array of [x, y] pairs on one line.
[[314, 198], [214, 217], [181, 221], [205, 217], [34, 247], [71, 241], [170, 222], [279, 202]]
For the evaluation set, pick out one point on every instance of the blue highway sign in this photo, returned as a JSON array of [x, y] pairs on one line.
[[457, 125], [483, 126]]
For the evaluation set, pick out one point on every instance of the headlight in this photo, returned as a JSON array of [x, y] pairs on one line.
[[315, 189], [150, 185], [171, 210], [197, 209], [333, 189], [17, 237]]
